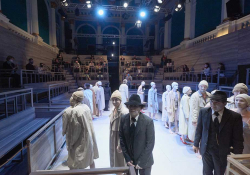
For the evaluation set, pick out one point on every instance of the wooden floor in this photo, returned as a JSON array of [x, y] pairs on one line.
[[170, 155]]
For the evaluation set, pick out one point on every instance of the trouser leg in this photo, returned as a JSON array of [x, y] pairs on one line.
[[208, 165], [146, 171]]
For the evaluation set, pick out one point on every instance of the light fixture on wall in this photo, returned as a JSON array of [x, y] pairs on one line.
[[159, 1], [138, 23], [157, 8], [179, 6], [113, 43], [112, 54], [125, 4], [88, 4]]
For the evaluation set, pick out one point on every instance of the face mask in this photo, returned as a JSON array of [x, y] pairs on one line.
[[12, 61]]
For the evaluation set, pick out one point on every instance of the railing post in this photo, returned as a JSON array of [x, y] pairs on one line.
[[21, 76], [218, 78], [31, 97], [49, 97]]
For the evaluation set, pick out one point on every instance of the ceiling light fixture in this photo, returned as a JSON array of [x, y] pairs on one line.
[[138, 23], [157, 8], [125, 4]]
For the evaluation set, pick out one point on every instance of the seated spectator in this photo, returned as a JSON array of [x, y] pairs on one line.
[[122, 58], [147, 59], [163, 60], [77, 67], [127, 64], [221, 70], [92, 57], [149, 64], [91, 64], [41, 68], [101, 61], [206, 71], [9, 65], [185, 68], [57, 66], [134, 57], [30, 65], [139, 71], [60, 57]]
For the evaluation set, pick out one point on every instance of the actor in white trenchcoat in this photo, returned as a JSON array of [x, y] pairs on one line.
[[164, 104], [141, 90], [88, 94], [82, 146], [124, 92], [152, 100], [197, 102], [100, 99], [184, 112]]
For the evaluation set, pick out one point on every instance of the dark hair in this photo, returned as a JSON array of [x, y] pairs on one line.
[[9, 57], [30, 59], [208, 65]]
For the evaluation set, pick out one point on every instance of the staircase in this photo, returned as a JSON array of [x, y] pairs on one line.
[[71, 80], [158, 78]]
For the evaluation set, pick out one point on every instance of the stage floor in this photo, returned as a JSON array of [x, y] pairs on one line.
[[171, 157]]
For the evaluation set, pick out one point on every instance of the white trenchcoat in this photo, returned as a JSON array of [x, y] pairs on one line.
[[152, 100], [116, 159], [197, 102], [230, 103], [66, 120], [164, 106], [100, 99], [140, 92], [124, 92], [82, 142], [184, 114], [171, 105], [89, 95]]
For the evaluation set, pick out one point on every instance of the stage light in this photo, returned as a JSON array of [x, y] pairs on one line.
[[138, 23], [63, 0], [113, 43], [112, 54], [89, 6], [142, 14], [125, 5], [179, 5], [100, 12], [177, 9], [87, 2], [157, 8], [159, 1], [66, 4]]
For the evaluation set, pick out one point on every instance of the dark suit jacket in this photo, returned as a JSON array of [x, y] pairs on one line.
[[144, 140], [231, 132]]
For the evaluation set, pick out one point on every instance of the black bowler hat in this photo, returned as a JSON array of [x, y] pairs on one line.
[[134, 100], [219, 96]]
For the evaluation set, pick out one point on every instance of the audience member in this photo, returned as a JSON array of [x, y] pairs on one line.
[[163, 60], [221, 70], [9, 65], [77, 67], [30, 65], [91, 64], [41, 68], [149, 64], [206, 72], [107, 95], [134, 57], [129, 79]]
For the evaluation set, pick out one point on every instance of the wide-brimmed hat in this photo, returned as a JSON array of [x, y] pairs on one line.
[[219, 96], [134, 100]]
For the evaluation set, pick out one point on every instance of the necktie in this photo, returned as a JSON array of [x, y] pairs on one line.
[[217, 125], [132, 134]]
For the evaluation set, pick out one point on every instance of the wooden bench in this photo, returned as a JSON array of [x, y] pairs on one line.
[[15, 129]]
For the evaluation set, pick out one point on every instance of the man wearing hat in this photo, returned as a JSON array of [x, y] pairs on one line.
[[137, 137], [198, 100], [217, 130]]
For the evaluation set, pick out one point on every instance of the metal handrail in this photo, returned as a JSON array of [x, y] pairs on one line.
[[16, 94], [64, 85]]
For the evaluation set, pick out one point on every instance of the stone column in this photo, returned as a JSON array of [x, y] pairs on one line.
[[167, 34], [190, 11], [99, 32], [32, 17], [62, 34], [123, 39], [72, 27], [53, 24], [156, 35], [224, 10]]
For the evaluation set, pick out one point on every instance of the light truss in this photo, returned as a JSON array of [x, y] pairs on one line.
[[114, 8], [113, 36]]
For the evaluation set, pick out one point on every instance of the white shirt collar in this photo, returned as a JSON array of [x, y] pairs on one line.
[[220, 115], [135, 118]]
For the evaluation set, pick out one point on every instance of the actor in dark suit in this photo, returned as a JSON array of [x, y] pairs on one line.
[[217, 130], [137, 137]]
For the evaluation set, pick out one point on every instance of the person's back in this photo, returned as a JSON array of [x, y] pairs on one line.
[[30, 67]]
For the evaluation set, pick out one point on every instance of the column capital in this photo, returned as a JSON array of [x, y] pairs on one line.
[[72, 21], [53, 5]]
